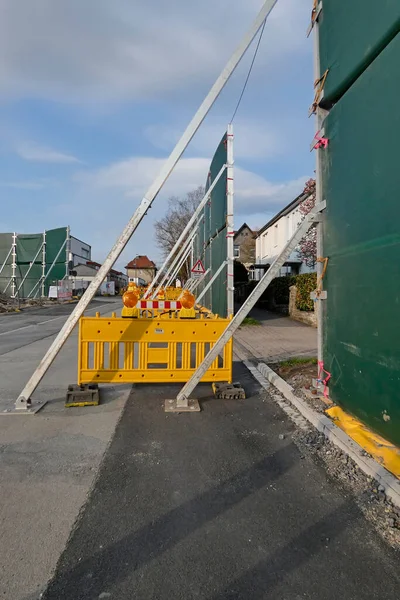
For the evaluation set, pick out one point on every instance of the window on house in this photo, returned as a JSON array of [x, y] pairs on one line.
[[276, 235], [236, 251], [85, 252]]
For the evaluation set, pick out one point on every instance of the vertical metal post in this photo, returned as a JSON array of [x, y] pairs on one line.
[[43, 264], [24, 397], [14, 266], [67, 251], [230, 287], [320, 115]]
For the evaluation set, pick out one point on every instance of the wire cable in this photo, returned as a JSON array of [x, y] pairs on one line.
[[250, 70]]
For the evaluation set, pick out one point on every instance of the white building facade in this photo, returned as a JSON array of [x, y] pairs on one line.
[[79, 252], [273, 237]]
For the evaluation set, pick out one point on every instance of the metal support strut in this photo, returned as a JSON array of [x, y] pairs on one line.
[[183, 401], [144, 206]]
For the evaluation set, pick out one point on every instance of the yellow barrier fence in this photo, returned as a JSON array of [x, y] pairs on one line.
[[116, 350]]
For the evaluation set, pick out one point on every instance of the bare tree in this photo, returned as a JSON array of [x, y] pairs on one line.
[[169, 228]]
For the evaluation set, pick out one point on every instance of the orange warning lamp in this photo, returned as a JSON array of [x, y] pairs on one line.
[[131, 296], [187, 299], [161, 294]]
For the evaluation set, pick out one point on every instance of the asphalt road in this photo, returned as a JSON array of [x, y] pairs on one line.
[[33, 324], [48, 462], [218, 505]]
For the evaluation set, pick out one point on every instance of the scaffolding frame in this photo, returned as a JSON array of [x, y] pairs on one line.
[[38, 290], [182, 401], [24, 402]]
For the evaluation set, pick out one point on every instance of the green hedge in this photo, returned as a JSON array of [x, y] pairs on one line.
[[278, 291], [305, 284]]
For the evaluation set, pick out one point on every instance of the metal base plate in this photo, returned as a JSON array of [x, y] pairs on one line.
[[193, 406], [9, 408]]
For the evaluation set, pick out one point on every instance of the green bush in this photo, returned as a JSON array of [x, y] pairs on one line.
[[305, 284], [277, 293], [279, 289]]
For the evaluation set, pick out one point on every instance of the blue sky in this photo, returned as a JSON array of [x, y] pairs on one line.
[[94, 94]]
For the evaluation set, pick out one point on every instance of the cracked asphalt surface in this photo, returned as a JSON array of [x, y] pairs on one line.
[[219, 505]]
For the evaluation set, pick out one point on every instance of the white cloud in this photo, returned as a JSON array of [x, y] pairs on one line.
[[34, 152], [99, 50], [26, 185], [109, 196], [131, 178], [254, 139]]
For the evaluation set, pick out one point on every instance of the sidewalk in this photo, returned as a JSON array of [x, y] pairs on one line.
[[277, 338]]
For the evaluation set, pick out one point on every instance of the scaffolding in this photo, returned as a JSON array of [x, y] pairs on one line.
[[29, 263]]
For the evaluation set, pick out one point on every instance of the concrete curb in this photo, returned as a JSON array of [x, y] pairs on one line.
[[338, 437]]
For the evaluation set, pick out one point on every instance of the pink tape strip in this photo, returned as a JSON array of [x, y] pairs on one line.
[[327, 378]]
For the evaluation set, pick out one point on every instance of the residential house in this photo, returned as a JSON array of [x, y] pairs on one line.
[[244, 245], [88, 271], [272, 238], [141, 267]]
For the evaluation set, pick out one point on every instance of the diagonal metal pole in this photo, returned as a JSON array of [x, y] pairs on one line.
[[174, 268], [185, 231], [183, 396], [24, 398], [209, 284], [6, 259], [178, 256], [50, 269], [29, 270], [178, 267]]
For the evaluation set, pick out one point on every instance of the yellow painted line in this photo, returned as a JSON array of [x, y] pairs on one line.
[[384, 452]]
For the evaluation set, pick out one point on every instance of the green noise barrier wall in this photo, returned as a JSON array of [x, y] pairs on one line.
[[29, 259], [352, 33], [361, 184], [211, 242]]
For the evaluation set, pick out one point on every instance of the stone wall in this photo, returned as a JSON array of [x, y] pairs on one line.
[[309, 318]]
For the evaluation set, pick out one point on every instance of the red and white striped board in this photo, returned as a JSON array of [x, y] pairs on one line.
[[159, 304]]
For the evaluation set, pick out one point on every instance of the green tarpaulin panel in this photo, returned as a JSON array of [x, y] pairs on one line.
[[6, 240], [29, 259], [29, 248], [55, 240], [351, 34], [29, 263], [361, 184], [211, 243], [56, 249]]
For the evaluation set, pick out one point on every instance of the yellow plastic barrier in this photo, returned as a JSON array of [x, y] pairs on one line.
[[149, 350]]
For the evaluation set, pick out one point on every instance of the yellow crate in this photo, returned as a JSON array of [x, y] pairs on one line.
[[116, 350]]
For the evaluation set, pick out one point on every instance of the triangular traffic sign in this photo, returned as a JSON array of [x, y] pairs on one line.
[[198, 268]]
